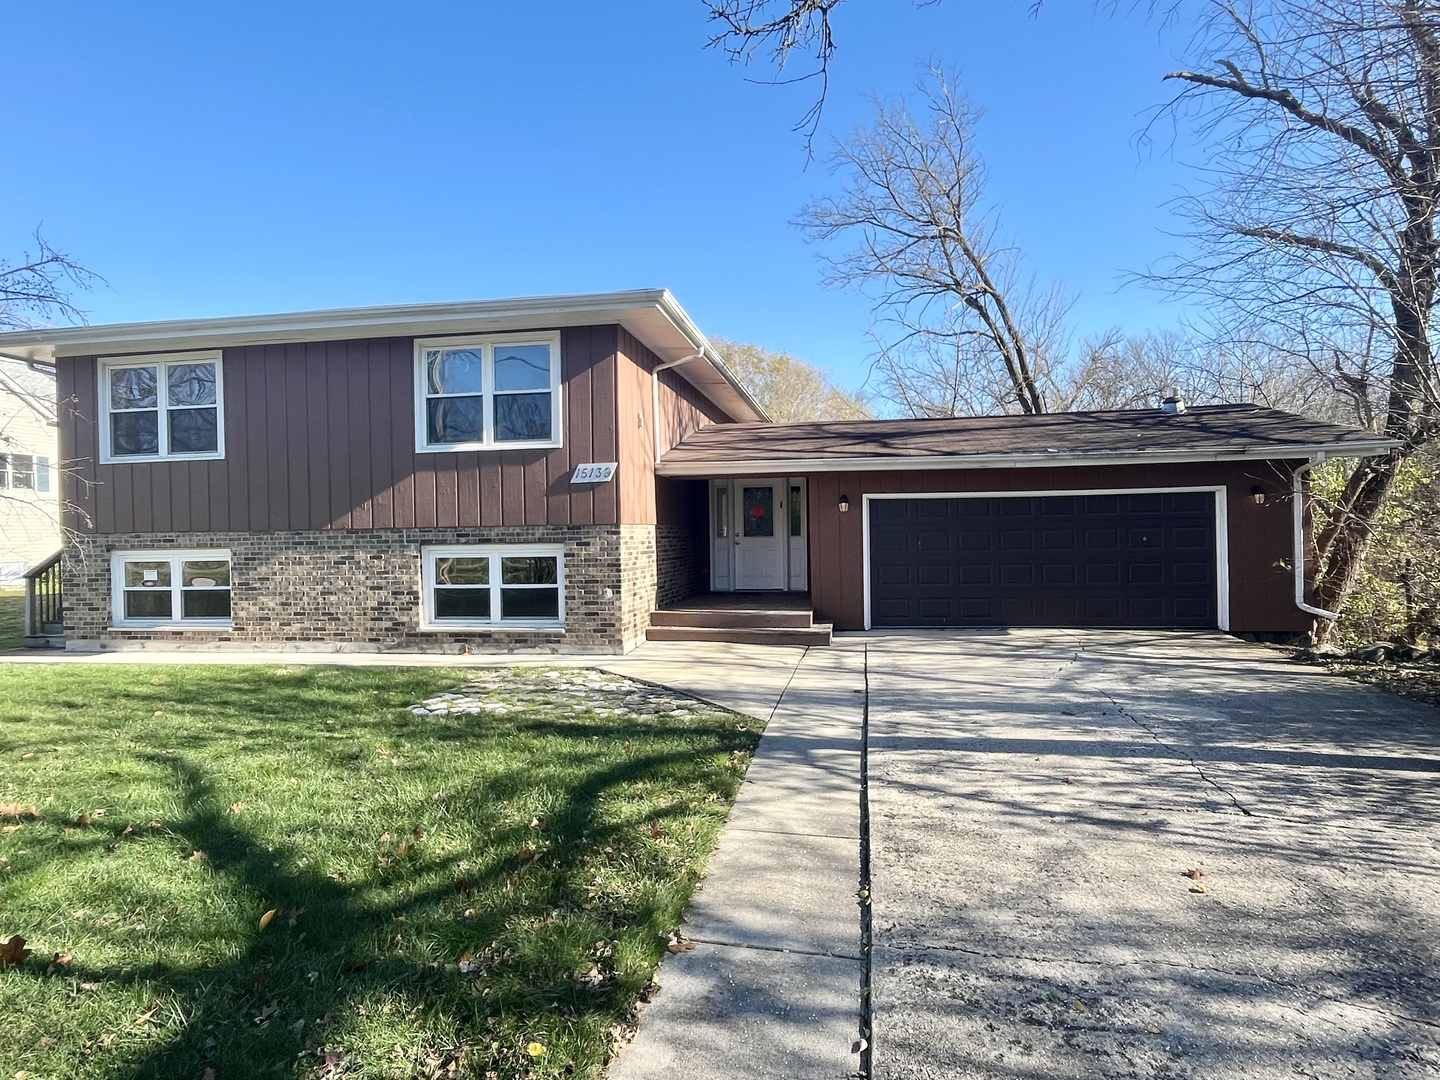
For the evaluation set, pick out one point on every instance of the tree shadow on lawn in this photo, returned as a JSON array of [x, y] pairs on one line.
[[346, 972]]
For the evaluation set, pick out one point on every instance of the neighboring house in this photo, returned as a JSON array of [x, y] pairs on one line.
[[548, 472], [29, 448]]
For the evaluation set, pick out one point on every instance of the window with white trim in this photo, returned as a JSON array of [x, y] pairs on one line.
[[171, 588], [487, 393], [161, 408], [519, 586], [24, 472]]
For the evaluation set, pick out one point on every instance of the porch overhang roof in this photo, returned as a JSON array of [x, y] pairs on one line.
[[1215, 433]]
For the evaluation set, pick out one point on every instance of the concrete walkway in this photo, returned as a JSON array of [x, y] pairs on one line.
[[772, 987]]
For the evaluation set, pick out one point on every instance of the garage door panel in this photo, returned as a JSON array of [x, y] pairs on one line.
[[894, 574], [1098, 539], [1095, 560], [936, 574], [1191, 573], [1059, 574]]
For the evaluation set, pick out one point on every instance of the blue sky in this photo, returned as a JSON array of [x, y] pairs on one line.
[[224, 159]]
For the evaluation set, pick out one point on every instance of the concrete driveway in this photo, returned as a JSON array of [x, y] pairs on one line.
[[1035, 799]]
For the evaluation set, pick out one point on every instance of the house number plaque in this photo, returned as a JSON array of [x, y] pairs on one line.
[[595, 473]]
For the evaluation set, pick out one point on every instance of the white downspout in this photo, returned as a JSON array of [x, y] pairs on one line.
[[655, 396], [1297, 501]]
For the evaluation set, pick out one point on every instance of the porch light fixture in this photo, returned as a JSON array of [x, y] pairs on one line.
[[1258, 494], [844, 503]]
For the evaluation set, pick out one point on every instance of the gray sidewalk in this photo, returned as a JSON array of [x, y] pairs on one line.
[[772, 987]]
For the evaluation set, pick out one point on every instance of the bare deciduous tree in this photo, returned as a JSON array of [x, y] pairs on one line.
[[1324, 116], [776, 28], [36, 288], [788, 388], [955, 308]]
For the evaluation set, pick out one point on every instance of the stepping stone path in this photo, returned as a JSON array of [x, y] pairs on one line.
[[576, 691]]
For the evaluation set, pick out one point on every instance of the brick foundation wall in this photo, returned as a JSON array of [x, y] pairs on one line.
[[680, 562], [362, 588], [638, 571]]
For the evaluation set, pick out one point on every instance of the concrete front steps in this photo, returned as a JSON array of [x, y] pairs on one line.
[[738, 618]]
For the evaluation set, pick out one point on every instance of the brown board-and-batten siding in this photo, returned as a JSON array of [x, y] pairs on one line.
[[321, 435], [683, 409]]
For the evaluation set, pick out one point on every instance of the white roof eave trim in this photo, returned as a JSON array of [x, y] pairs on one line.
[[797, 466], [652, 315]]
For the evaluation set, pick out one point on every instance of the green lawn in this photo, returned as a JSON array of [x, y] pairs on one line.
[[12, 616], [268, 871]]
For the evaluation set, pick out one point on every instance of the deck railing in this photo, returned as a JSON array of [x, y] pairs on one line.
[[44, 599]]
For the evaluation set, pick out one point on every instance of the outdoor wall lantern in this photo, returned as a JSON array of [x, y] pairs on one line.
[[844, 503], [1258, 494]]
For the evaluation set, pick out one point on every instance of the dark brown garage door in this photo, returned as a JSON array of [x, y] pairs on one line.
[[1078, 560]]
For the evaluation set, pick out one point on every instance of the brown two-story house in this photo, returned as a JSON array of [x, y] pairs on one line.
[[548, 472]]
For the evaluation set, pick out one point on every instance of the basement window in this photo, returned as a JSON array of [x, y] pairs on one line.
[[509, 587], [171, 589]]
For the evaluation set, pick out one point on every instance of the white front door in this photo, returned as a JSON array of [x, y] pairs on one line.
[[760, 535]]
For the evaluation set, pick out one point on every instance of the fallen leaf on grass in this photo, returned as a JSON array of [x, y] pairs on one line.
[[10, 828], [1199, 889], [13, 952], [267, 1012], [236, 807], [145, 1017], [91, 987], [61, 960], [18, 810], [655, 830], [208, 1074], [267, 917]]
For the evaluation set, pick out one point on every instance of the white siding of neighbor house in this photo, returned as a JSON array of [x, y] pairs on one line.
[[29, 520]]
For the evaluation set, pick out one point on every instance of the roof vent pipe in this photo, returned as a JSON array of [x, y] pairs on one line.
[[1173, 405]]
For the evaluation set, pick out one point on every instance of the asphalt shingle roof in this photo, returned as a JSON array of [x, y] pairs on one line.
[[1248, 430]]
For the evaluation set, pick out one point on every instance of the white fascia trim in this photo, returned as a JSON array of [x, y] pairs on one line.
[[1222, 528], [685, 326], [404, 320], [1028, 460]]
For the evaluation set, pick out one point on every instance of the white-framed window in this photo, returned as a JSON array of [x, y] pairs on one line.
[[487, 393], [161, 408], [24, 472], [179, 589], [513, 585]]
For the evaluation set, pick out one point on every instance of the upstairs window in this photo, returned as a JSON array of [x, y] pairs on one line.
[[159, 408], [24, 472], [487, 393]]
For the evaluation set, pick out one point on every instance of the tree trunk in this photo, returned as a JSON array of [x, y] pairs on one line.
[[1347, 540]]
